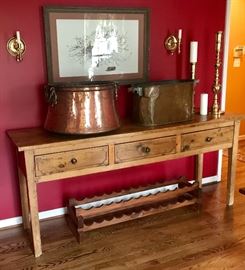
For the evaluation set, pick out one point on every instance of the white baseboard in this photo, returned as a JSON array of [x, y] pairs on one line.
[[4, 223], [211, 179], [42, 215]]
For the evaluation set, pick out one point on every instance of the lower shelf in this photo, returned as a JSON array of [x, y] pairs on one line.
[[89, 214]]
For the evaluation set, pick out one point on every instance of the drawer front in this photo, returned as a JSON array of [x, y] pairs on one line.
[[71, 160], [202, 139], [144, 149]]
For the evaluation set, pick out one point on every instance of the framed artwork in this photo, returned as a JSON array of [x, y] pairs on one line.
[[86, 44]]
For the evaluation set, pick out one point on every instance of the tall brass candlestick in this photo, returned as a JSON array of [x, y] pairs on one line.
[[217, 85]]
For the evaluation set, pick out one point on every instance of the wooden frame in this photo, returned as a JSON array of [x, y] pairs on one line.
[[96, 44]]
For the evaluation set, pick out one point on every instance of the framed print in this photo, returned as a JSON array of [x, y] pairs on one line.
[[86, 44]]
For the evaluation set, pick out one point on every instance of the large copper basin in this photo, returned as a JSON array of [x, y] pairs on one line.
[[83, 108]]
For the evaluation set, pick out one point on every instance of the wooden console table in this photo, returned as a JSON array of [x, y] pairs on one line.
[[43, 156]]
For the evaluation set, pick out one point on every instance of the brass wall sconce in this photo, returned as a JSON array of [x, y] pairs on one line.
[[16, 47], [193, 58], [173, 43], [217, 86]]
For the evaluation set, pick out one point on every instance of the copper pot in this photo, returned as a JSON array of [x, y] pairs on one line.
[[83, 108]]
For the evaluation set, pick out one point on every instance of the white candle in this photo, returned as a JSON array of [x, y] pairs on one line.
[[18, 36], [180, 34], [204, 104], [219, 36], [218, 40], [193, 51]]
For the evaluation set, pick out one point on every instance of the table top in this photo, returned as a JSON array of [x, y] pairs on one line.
[[30, 138]]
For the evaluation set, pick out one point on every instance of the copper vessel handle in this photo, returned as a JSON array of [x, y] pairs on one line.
[[116, 91], [51, 96]]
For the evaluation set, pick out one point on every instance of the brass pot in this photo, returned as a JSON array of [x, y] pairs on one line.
[[163, 102], [83, 108]]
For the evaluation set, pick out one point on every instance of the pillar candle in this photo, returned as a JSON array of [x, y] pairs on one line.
[[180, 34], [18, 36], [193, 51], [204, 104]]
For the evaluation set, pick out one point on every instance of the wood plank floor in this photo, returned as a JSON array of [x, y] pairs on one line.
[[212, 238]]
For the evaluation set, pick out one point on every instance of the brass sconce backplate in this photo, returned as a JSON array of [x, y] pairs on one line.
[[171, 43], [16, 48]]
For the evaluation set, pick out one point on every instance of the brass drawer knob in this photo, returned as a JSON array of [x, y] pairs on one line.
[[73, 160], [209, 139], [186, 147], [146, 149]]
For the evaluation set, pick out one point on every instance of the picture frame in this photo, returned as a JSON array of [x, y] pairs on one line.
[[96, 44]]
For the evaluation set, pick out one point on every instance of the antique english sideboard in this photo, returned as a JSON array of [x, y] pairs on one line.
[[44, 156]]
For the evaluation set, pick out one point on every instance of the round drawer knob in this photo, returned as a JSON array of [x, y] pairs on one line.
[[146, 149], [73, 160], [186, 147], [209, 139]]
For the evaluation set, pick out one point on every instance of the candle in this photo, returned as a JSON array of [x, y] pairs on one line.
[[180, 34], [219, 36], [218, 40], [204, 104], [18, 36], [193, 51]]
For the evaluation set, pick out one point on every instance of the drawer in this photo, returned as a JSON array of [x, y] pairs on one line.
[[202, 139], [144, 149], [71, 160]]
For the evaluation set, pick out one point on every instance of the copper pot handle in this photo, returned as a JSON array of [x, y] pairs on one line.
[[116, 91], [51, 96]]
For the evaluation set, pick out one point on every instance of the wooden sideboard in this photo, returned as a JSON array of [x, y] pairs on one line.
[[44, 156]]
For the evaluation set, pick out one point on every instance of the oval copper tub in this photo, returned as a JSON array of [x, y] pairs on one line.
[[83, 108]]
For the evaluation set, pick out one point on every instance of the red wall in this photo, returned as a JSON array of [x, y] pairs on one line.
[[21, 95]]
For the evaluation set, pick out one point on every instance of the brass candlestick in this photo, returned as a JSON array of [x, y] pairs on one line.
[[217, 85], [193, 71]]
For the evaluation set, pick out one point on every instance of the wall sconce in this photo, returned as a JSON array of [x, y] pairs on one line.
[[16, 46], [193, 58], [173, 43], [238, 54]]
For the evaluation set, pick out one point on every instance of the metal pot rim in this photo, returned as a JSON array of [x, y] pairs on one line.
[[163, 82], [84, 86]]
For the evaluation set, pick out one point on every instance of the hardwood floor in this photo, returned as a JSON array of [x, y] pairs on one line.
[[211, 238]]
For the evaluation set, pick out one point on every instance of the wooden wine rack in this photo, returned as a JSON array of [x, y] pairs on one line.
[[81, 220]]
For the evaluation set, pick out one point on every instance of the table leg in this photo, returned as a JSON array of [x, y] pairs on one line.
[[24, 200], [33, 203], [199, 169], [232, 159]]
